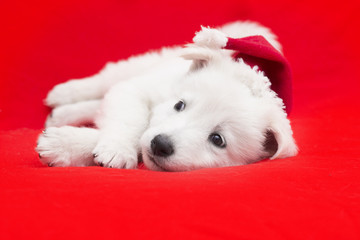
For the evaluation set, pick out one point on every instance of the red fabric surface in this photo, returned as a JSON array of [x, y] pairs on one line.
[[315, 195]]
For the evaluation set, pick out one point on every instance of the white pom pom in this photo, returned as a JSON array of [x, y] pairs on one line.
[[211, 38]]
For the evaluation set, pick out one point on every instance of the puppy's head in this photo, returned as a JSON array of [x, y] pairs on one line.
[[223, 113]]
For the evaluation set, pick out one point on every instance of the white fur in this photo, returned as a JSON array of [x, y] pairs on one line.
[[137, 103], [67, 146]]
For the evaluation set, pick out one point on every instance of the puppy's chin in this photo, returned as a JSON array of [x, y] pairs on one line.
[[151, 163]]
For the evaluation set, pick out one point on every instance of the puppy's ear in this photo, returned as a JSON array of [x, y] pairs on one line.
[[199, 56], [279, 138], [206, 46]]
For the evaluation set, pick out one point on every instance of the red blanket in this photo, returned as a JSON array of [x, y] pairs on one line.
[[315, 195]]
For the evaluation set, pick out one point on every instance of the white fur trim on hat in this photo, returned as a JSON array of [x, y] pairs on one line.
[[211, 38]]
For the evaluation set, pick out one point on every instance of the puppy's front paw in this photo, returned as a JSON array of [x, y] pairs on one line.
[[52, 149], [60, 147], [115, 157]]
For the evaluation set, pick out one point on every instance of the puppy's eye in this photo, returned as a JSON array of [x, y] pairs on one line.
[[179, 106], [217, 140]]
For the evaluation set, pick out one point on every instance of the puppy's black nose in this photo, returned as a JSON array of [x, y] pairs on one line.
[[162, 146]]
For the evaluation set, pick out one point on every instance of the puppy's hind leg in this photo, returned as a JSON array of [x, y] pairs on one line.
[[89, 88], [75, 91], [76, 114], [96, 86], [67, 146]]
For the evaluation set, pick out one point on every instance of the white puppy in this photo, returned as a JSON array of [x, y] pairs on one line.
[[178, 109]]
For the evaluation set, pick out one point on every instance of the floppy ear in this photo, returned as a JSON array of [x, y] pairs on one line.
[[200, 56], [279, 138], [206, 46]]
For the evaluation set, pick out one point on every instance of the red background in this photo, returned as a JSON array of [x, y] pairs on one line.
[[315, 195]]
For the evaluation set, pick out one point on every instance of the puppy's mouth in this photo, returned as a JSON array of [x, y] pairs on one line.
[[158, 165]]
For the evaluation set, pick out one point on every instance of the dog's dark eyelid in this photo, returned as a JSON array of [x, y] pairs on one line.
[[180, 106]]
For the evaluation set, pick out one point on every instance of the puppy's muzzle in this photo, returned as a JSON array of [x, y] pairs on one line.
[[162, 146]]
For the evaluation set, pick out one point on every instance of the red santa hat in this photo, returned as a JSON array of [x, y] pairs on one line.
[[255, 51]]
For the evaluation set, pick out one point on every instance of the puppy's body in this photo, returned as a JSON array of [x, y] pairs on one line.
[[221, 112]]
